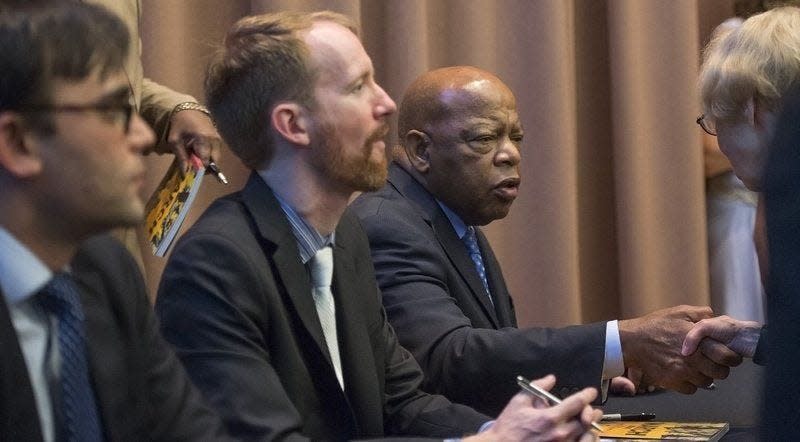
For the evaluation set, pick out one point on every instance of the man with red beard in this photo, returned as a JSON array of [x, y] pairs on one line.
[[444, 292], [270, 298]]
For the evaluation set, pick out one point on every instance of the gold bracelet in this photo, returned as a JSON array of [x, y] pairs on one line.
[[190, 105]]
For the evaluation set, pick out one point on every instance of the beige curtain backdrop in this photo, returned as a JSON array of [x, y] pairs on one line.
[[610, 222]]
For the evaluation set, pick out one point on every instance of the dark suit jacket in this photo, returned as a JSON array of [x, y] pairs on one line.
[[235, 299], [143, 392], [782, 195], [470, 351]]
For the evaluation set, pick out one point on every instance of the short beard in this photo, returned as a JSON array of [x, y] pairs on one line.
[[358, 173]]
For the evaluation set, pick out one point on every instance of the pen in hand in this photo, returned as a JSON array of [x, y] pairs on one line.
[[545, 395], [191, 142], [215, 170]]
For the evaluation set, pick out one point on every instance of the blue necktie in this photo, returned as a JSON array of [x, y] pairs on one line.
[[471, 241], [81, 421]]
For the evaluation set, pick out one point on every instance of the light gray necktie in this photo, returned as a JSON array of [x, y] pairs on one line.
[[321, 277]]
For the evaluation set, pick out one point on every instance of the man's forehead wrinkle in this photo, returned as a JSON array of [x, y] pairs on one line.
[[473, 104]]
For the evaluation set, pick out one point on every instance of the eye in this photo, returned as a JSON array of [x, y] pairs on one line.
[[485, 138], [517, 138], [111, 113]]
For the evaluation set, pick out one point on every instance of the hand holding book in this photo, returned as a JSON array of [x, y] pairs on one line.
[[170, 203]]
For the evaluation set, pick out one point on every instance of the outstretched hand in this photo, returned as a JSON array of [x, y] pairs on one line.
[[740, 336], [653, 344]]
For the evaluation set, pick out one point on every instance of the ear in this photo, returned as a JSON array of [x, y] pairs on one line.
[[417, 147], [18, 147], [292, 122]]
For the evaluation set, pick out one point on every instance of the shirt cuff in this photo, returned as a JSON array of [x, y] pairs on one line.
[[486, 426], [613, 363]]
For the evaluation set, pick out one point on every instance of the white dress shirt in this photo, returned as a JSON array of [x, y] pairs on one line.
[[22, 275]]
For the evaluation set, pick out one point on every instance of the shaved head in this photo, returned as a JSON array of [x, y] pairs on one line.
[[434, 94]]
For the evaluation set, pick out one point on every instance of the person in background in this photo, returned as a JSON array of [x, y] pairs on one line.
[[734, 276], [781, 415], [744, 77], [182, 125]]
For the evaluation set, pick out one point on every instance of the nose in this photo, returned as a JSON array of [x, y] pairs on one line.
[[140, 135], [385, 105], [508, 153]]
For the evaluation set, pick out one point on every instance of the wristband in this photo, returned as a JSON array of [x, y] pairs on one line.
[[190, 105]]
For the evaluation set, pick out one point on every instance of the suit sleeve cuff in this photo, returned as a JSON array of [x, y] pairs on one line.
[[761, 352]]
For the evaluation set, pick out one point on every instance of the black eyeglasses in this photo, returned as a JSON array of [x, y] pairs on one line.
[[117, 113], [707, 125]]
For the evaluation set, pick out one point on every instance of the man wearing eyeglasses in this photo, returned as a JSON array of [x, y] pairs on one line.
[[744, 77], [82, 356]]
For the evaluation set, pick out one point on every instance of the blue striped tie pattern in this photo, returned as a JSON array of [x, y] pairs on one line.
[[471, 241], [78, 405]]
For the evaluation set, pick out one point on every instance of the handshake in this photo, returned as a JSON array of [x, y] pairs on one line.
[[682, 348]]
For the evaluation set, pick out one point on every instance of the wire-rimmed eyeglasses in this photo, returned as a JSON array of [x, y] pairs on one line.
[[707, 125]]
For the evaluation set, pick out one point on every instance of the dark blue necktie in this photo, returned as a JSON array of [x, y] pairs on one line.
[[81, 421], [471, 241]]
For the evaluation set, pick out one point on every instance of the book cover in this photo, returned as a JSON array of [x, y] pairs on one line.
[[673, 431], [171, 202]]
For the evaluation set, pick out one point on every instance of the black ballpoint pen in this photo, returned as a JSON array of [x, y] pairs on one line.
[[545, 395], [629, 417], [214, 169]]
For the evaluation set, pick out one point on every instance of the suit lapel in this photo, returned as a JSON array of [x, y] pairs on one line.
[[453, 246], [274, 228], [19, 418], [354, 340], [457, 252]]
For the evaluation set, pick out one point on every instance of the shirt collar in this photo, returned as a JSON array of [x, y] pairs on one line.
[[455, 220], [309, 241], [22, 274]]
